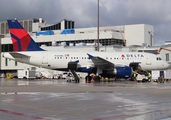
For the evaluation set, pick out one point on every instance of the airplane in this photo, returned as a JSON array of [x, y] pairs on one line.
[[111, 64]]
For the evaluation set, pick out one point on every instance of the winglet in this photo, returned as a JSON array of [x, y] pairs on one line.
[[89, 56], [21, 40]]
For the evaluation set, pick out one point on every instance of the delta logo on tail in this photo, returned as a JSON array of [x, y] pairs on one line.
[[22, 41]]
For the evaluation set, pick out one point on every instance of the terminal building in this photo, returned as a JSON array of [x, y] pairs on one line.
[[64, 36]]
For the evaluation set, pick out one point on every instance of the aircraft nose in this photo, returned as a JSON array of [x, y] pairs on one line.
[[167, 65]]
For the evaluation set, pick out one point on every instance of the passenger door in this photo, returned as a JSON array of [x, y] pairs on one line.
[[45, 58], [148, 60]]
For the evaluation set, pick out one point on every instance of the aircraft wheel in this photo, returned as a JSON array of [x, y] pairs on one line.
[[96, 78]]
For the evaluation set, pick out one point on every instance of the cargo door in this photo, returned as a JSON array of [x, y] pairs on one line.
[[44, 58], [148, 60]]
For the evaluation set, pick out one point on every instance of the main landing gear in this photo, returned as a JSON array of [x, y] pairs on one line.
[[88, 78]]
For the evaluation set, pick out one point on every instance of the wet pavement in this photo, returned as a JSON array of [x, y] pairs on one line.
[[60, 100]]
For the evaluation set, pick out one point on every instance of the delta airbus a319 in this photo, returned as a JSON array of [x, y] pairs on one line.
[[111, 64]]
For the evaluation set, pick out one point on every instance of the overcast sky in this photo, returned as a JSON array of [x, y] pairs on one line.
[[84, 13]]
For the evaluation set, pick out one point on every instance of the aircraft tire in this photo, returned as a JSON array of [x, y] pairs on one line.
[[96, 78]]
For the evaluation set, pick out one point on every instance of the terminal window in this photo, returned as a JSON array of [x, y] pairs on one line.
[[167, 57], [6, 62]]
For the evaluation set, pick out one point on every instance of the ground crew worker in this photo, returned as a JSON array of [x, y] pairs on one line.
[[149, 75], [135, 76]]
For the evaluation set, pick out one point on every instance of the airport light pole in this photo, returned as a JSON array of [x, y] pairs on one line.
[[98, 28]]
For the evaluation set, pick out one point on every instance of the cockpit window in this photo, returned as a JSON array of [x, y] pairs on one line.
[[158, 58]]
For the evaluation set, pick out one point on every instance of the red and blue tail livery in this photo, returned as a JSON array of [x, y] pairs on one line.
[[22, 41]]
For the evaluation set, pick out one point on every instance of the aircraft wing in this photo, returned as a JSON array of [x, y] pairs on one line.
[[18, 55], [101, 63]]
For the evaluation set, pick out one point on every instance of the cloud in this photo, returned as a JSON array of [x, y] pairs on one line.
[[84, 13]]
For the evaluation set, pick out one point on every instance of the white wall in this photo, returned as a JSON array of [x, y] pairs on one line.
[[138, 34]]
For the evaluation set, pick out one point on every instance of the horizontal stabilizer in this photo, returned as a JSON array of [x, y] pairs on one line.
[[18, 55]]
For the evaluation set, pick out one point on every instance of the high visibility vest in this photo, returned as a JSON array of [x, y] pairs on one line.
[[149, 74], [134, 74]]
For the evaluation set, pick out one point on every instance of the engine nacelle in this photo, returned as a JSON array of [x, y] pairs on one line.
[[121, 72]]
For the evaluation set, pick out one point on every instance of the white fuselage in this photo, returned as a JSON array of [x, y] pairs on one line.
[[56, 60]]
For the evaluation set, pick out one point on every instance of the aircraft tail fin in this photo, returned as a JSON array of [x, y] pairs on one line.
[[21, 40]]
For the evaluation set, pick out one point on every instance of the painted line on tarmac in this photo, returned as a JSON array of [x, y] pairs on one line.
[[19, 93], [21, 114], [160, 112]]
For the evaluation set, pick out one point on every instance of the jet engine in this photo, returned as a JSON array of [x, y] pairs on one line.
[[122, 72]]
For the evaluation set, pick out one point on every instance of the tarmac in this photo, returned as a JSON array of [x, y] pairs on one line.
[[51, 99]]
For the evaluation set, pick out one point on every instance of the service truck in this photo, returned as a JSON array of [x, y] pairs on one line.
[[167, 74], [26, 74], [158, 76]]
